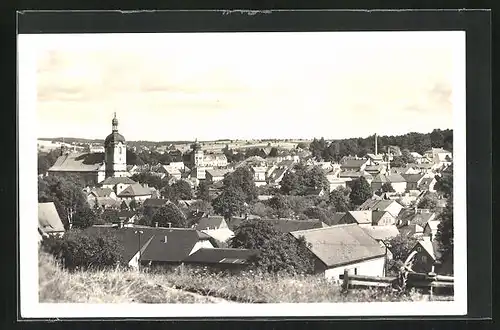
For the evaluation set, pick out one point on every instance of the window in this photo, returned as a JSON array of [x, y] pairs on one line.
[[424, 258]]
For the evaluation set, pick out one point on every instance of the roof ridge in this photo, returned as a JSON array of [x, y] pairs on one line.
[[329, 227]]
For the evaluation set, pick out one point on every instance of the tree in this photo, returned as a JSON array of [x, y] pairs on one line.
[[279, 252], [360, 191], [242, 178], [261, 210], [315, 179], [302, 145], [201, 206], [273, 152], [170, 215], [66, 193], [84, 218], [339, 199], [290, 184], [230, 202], [80, 249], [400, 246], [203, 192], [280, 206], [407, 157], [444, 183], [398, 161], [444, 234], [387, 187], [133, 205], [429, 201], [182, 190]]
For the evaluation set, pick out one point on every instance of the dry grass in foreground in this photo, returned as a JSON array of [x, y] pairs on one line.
[[195, 286]]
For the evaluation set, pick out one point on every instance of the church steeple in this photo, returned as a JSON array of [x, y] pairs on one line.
[[114, 123]]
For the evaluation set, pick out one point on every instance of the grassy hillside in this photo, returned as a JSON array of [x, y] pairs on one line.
[[194, 286]]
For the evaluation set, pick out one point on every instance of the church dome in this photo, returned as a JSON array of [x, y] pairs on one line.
[[114, 137]]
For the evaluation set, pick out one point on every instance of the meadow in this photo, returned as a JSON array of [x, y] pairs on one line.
[[185, 285]]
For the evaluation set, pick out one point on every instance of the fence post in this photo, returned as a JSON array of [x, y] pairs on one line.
[[345, 283], [432, 277]]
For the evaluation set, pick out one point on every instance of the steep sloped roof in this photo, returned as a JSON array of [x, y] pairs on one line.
[[135, 189], [413, 178], [342, 244], [362, 217], [48, 218], [381, 232], [353, 163], [211, 222], [222, 234], [377, 215], [334, 220], [116, 180], [78, 162], [102, 192]]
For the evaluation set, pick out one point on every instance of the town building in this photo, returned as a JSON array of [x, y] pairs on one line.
[[364, 255]]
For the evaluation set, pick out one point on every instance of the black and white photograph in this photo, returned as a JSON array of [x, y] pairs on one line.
[[276, 173]]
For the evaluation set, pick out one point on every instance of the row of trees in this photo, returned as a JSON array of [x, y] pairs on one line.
[[418, 142]]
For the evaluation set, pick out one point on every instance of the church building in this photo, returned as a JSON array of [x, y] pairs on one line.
[[95, 167]]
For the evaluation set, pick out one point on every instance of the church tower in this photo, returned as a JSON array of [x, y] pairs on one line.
[[115, 152], [197, 156]]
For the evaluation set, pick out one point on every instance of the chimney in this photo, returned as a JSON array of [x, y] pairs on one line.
[[169, 225], [120, 224], [156, 224]]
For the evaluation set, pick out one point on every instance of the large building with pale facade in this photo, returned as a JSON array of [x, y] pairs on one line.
[[95, 167]]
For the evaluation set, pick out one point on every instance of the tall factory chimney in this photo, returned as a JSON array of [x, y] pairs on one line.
[[376, 147]]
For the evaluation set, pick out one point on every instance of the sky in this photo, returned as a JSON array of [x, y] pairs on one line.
[[246, 85]]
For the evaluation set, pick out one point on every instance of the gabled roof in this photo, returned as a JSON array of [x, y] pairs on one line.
[[126, 214], [426, 183], [222, 234], [341, 245], [422, 218], [221, 256], [433, 224], [353, 163], [375, 157], [48, 218], [334, 220], [112, 181], [135, 189], [431, 247], [382, 232], [102, 192], [413, 178], [211, 222], [179, 243], [377, 215], [78, 162], [395, 178], [362, 217], [376, 204]]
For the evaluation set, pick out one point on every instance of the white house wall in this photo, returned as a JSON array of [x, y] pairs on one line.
[[373, 267], [205, 244], [399, 187]]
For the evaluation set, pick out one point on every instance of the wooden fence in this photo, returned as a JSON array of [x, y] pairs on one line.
[[430, 282]]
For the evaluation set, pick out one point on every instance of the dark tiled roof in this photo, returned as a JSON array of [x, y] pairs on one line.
[[221, 256], [48, 218], [342, 244], [377, 215], [179, 244], [116, 180], [334, 220], [375, 204]]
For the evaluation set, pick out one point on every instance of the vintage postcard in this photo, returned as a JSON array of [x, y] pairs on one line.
[[298, 174]]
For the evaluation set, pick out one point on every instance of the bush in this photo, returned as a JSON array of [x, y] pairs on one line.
[[78, 249]]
